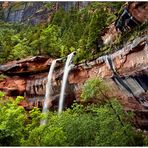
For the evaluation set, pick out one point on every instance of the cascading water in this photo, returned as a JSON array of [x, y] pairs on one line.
[[48, 86], [109, 63], [67, 68], [48, 90]]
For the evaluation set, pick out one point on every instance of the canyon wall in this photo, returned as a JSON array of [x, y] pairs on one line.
[[133, 14], [124, 71], [130, 61]]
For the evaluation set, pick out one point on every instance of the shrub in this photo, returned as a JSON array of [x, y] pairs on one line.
[[12, 119], [95, 88]]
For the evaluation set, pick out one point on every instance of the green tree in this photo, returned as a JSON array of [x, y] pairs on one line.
[[78, 126], [45, 136], [91, 125], [37, 134], [112, 132], [95, 88], [12, 119], [50, 40]]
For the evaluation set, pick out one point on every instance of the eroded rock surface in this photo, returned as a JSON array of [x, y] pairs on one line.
[[27, 66]]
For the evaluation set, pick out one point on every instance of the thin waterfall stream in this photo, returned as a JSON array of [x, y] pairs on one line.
[[48, 89], [67, 68]]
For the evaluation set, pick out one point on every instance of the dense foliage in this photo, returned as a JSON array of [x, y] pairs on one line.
[[95, 88], [92, 125], [12, 119], [67, 31]]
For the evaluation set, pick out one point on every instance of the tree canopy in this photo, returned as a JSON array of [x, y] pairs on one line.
[[75, 29]]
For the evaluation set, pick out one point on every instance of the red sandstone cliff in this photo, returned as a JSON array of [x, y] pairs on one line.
[[125, 72]]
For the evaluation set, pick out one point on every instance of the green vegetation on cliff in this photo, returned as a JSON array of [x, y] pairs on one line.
[[67, 31]]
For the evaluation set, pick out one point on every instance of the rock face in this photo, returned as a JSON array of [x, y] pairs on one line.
[[35, 12], [13, 86], [139, 10], [134, 14], [123, 66], [124, 71], [29, 12], [29, 65]]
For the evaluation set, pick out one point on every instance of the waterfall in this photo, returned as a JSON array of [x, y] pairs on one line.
[[48, 89], [48, 86], [67, 68], [109, 63]]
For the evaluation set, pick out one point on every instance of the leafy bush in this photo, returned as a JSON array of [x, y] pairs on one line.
[[78, 128], [113, 130], [95, 88], [45, 136], [12, 118], [92, 125]]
